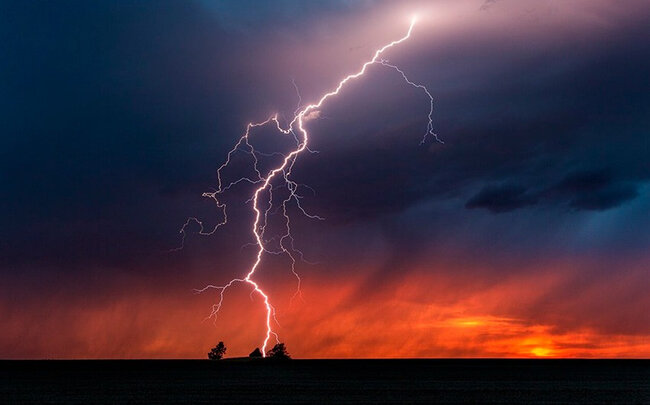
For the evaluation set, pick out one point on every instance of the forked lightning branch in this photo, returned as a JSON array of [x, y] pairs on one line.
[[263, 199]]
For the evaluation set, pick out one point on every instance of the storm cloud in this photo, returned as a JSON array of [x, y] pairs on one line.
[[115, 116], [501, 198]]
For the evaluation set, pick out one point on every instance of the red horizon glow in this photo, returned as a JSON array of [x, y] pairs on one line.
[[419, 317]]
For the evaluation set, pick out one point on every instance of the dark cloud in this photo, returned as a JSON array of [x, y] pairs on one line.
[[585, 190], [503, 198], [605, 199], [594, 190], [586, 181], [118, 114]]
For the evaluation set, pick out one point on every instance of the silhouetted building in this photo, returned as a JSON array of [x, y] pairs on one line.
[[256, 353]]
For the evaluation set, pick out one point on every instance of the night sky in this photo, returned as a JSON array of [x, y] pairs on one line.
[[526, 233]]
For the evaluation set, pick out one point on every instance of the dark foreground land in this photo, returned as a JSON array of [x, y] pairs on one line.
[[326, 381]]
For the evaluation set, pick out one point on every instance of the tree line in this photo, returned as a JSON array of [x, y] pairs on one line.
[[279, 351]]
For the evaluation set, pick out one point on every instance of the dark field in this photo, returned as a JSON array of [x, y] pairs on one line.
[[326, 381]]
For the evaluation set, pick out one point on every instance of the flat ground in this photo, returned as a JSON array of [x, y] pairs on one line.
[[325, 381]]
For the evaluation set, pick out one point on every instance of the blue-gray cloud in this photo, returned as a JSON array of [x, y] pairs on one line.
[[503, 198], [115, 115]]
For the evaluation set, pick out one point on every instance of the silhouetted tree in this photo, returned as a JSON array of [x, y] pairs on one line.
[[278, 352], [256, 353], [217, 352]]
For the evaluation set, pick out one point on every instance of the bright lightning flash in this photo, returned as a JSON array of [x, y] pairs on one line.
[[285, 242]]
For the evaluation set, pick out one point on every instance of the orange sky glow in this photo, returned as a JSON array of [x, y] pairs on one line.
[[419, 315]]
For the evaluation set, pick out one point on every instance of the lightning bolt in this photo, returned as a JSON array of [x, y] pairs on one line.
[[262, 207]]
